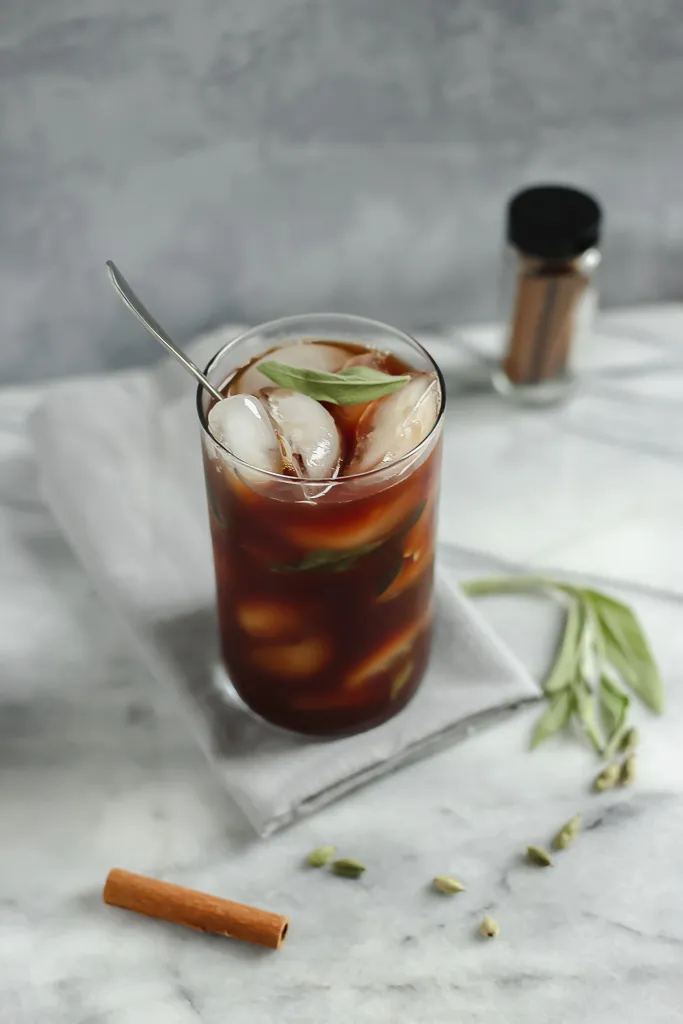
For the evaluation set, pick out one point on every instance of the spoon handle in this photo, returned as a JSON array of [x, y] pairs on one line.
[[155, 329]]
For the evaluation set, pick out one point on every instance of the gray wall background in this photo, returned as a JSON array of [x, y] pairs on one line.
[[242, 159]]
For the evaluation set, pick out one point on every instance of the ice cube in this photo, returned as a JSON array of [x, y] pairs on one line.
[[308, 432], [362, 524], [243, 426], [268, 619], [294, 661], [393, 426], [313, 355], [397, 648]]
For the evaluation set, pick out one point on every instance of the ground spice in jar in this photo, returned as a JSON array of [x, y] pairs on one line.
[[553, 233]]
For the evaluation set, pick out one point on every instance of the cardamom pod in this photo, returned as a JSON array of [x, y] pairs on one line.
[[608, 777], [348, 868], [489, 928], [321, 856], [539, 857], [447, 885], [627, 774], [629, 741], [568, 833]]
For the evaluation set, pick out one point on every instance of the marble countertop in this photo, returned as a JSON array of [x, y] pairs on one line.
[[96, 769]]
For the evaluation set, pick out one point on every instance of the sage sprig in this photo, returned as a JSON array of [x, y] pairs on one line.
[[603, 652], [352, 386]]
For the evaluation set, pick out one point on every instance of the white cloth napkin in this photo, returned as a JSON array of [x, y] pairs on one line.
[[119, 460]]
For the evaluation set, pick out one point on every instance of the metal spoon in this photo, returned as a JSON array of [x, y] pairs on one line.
[[155, 329]]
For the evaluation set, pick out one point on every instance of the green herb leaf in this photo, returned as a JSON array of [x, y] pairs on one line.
[[614, 705], [601, 636], [564, 669], [332, 561], [584, 706], [352, 386], [627, 650], [553, 718], [391, 573], [412, 519], [505, 585]]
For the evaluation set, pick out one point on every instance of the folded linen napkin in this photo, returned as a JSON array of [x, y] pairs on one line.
[[119, 460]]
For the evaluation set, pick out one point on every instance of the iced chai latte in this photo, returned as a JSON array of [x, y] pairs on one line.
[[322, 472]]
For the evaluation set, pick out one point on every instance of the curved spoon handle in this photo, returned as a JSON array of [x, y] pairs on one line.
[[155, 329]]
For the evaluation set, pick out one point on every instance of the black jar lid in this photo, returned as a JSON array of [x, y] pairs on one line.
[[553, 221]]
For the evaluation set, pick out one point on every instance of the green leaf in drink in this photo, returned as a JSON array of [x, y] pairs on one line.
[[332, 561], [353, 386]]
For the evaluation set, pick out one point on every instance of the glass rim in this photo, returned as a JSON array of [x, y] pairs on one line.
[[283, 321]]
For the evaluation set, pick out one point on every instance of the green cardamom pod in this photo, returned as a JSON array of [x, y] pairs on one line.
[[539, 857], [447, 885], [321, 856], [348, 868], [627, 774], [608, 777], [629, 741], [489, 928], [568, 833]]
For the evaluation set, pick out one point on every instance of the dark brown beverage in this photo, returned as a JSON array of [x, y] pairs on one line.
[[325, 585]]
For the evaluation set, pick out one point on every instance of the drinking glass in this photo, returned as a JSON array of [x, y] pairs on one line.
[[324, 588]]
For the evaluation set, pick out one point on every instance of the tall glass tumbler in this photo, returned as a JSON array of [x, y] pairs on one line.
[[325, 588]]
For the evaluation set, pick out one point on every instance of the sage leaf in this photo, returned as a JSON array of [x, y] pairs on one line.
[[352, 386], [626, 649], [390, 575], [614, 704], [584, 706], [412, 519], [504, 585], [332, 561], [564, 668], [554, 718]]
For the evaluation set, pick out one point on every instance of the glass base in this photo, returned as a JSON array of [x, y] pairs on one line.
[[231, 698], [545, 392]]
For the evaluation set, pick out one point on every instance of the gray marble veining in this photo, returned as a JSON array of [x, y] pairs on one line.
[[244, 160]]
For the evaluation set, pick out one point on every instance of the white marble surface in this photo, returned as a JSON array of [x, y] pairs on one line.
[[96, 770]]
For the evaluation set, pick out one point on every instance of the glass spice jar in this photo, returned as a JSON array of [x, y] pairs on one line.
[[553, 233]]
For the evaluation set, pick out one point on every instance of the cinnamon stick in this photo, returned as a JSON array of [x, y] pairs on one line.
[[193, 909]]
